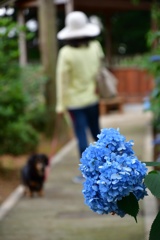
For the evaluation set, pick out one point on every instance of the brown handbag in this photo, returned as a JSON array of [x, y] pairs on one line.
[[106, 83]]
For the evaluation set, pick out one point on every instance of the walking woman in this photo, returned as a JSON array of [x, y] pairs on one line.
[[77, 67]]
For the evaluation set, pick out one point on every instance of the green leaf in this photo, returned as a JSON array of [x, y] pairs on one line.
[[154, 164], [152, 182], [153, 172], [155, 229], [129, 205]]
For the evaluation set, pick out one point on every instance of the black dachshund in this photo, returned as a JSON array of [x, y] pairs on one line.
[[33, 174]]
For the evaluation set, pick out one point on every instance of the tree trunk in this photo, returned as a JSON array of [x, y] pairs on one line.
[[22, 40], [48, 48]]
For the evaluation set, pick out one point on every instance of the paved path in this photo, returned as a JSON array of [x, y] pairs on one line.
[[61, 214]]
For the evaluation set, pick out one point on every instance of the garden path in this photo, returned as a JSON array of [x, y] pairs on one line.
[[61, 214]]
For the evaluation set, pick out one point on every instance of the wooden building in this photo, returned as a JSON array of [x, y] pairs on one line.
[[132, 88], [105, 7]]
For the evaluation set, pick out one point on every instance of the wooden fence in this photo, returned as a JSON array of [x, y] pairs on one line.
[[133, 84]]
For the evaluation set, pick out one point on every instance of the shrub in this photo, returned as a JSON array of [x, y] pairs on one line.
[[20, 138], [16, 134], [34, 81], [14, 128]]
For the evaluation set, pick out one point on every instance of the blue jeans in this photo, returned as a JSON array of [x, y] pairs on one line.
[[83, 119]]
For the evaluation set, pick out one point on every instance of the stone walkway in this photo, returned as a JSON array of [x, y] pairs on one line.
[[61, 214]]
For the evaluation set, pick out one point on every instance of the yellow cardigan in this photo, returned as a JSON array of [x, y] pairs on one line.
[[76, 76]]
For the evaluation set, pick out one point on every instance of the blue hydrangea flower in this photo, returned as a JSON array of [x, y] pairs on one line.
[[112, 171]]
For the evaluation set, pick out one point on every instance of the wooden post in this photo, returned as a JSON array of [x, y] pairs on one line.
[[69, 6], [48, 48], [22, 40]]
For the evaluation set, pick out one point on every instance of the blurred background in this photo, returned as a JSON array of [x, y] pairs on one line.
[[28, 52]]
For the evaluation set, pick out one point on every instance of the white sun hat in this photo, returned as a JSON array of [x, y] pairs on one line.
[[77, 25]]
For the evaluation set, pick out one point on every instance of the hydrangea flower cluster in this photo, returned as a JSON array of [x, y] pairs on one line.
[[111, 171]]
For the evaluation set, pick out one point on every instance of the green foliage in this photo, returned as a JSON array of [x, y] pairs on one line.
[[152, 164], [8, 42], [17, 135], [155, 12], [152, 36], [20, 138], [143, 61], [155, 104], [129, 205], [137, 61], [152, 181], [154, 69], [34, 82], [155, 229]]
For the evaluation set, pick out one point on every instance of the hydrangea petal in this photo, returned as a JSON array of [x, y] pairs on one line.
[[112, 171]]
